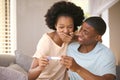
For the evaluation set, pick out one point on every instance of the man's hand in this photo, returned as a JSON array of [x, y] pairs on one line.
[[69, 63]]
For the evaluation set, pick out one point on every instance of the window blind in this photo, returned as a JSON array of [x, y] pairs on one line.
[[5, 39]]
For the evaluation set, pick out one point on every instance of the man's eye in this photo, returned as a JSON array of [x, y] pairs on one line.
[[85, 32]]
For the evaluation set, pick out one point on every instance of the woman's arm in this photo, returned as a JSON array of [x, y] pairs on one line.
[[34, 71], [37, 67]]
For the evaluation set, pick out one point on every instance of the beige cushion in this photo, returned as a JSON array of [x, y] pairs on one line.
[[6, 59], [18, 68]]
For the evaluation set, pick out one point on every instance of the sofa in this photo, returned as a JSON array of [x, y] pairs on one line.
[[14, 67], [118, 72]]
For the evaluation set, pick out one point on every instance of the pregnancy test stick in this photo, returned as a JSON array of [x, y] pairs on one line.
[[54, 58]]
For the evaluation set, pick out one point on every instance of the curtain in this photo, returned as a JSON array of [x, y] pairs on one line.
[[96, 7]]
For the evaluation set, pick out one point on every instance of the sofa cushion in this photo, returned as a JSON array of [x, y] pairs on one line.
[[7, 73], [6, 59], [23, 60], [18, 68]]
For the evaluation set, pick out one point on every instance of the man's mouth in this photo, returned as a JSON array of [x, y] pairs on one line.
[[80, 39]]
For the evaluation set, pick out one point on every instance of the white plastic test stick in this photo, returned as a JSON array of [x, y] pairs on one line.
[[55, 58]]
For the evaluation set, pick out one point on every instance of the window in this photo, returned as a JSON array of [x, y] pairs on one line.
[[84, 4], [5, 31]]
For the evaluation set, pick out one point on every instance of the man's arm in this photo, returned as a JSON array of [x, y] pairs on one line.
[[70, 63], [86, 75]]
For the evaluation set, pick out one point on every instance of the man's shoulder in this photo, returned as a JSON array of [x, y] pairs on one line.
[[73, 45], [102, 47], [105, 51]]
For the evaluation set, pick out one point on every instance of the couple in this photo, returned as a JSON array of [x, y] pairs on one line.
[[84, 59]]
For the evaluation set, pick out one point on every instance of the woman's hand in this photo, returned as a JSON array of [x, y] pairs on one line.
[[66, 37], [69, 63], [43, 62]]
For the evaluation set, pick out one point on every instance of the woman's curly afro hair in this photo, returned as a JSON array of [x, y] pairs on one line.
[[66, 9]]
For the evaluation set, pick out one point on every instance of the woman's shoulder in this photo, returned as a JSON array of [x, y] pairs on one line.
[[44, 38], [51, 34], [47, 35]]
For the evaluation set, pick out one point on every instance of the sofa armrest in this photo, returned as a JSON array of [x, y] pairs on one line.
[[118, 72], [6, 59]]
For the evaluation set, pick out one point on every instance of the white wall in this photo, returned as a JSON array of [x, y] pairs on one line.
[[30, 23], [114, 20]]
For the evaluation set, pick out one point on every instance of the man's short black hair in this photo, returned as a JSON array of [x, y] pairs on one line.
[[64, 8], [97, 23]]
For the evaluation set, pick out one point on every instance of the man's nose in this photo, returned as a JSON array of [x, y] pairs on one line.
[[80, 33]]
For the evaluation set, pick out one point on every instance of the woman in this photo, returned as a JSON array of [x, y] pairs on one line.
[[63, 17]]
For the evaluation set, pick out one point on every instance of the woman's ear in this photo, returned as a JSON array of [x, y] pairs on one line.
[[55, 26]]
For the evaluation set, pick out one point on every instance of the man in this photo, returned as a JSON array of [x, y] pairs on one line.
[[89, 59]]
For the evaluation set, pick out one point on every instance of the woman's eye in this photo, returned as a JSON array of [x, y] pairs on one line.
[[61, 27], [70, 27]]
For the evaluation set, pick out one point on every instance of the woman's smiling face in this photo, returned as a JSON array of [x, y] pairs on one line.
[[64, 24]]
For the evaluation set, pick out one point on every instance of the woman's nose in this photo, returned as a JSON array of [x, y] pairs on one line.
[[66, 30]]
